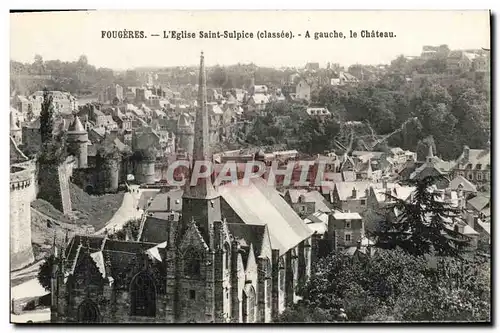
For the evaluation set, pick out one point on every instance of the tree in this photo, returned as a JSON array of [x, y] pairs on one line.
[[130, 230], [47, 117], [218, 77], [393, 285], [425, 224], [45, 272]]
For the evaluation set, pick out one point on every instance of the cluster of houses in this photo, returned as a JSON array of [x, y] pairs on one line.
[[356, 189]]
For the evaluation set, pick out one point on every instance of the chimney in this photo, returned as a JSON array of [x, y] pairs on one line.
[[466, 153]]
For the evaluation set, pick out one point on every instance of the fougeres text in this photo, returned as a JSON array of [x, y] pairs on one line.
[[196, 167]]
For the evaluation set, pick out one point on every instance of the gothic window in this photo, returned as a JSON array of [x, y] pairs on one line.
[[143, 295], [88, 312], [281, 273], [249, 304], [269, 274], [227, 258], [192, 263]]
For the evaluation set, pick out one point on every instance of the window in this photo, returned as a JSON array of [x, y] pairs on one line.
[[88, 312], [469, 175], [478, 166], [192, 263], [302, 209], [249, 304], [348, 237], [347, 224], [143, 295], [479, 176], [363, 202], [192, 294], [227, 249]]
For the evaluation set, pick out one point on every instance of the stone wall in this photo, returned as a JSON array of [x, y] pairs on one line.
[[54, 185], [21, 194]]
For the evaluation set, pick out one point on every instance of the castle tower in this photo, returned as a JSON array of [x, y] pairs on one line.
[[21, 193], [77, 142], [185, 134], [15, 131]]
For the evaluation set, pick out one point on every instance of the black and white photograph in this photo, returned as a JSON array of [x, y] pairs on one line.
[[252, 166]]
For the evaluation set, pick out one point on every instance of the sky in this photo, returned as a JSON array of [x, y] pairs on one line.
[[67, 35]]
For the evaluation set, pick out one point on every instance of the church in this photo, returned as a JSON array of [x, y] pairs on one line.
[[235, 254]]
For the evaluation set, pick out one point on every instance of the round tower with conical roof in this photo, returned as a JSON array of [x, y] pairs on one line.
[[77, 138], [185, 134]]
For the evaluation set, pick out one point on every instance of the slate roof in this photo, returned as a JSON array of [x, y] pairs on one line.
[[344, 189], [311, 196], [346, 216], [260, 99], [479, 202], [400, 192], [250, 233], [477, 158], [76, 126], [460, 180], [257, 203]]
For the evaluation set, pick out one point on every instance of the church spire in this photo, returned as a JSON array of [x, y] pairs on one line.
[[201, 146], [201, 149]]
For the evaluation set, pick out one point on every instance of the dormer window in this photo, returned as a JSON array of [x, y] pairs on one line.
[[478, 166], [347, 224]]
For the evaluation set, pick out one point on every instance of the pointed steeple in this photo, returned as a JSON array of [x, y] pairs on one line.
[[201, 149], [204, 188]]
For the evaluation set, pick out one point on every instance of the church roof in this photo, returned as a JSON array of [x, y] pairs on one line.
[[155, 229], [250, 233], [110, 256], [258, 203]]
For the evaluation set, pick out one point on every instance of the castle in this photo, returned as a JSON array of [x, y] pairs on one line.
[[22, 192], [236, 253]]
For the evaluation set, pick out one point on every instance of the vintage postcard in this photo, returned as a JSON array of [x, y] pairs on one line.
[[250, 167]]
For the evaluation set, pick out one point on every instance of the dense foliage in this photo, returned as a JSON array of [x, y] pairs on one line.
[[395, 286], [424, 224], [453, 109], [130, 231], [53, 147], [45, 271]]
